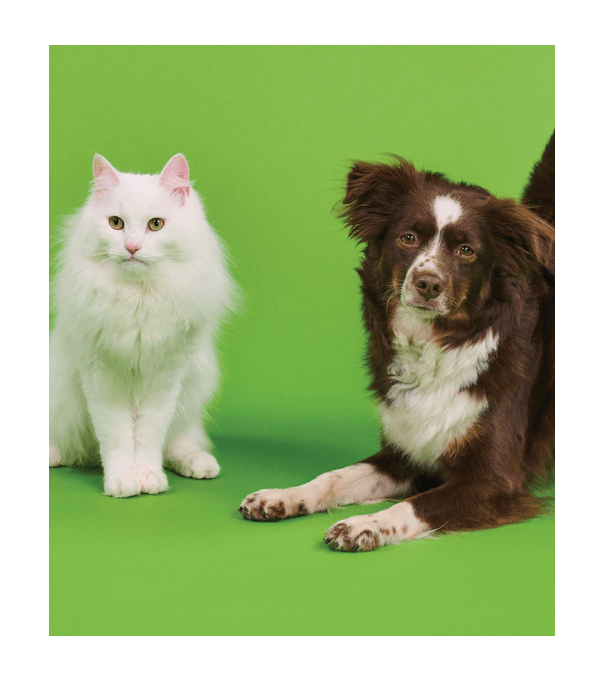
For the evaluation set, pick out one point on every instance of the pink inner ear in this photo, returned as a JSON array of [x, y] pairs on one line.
[[175, 177], [104, 174]]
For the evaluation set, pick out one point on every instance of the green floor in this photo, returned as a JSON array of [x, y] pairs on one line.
[[186, 563]]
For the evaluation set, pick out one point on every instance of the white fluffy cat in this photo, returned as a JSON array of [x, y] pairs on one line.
[[140, 293]]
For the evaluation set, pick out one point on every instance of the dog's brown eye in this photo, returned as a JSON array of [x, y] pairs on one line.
[[407, 239], [155, 224], [116, 222], [466, 250]]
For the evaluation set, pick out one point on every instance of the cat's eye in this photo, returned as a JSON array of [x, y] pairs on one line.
[[467, 251], [406, 240], [116, 222], [155, 224]]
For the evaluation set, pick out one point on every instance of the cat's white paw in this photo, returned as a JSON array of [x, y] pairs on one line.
[[131, 481], [54, 457], [196, 464]]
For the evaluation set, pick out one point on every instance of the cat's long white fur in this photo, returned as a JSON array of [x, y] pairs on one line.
[[132, 360]]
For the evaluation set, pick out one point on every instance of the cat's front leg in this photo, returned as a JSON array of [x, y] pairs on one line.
[[188, 456], [113, 422], [131, 465], [187, 449], [124, 477], [131, 428]]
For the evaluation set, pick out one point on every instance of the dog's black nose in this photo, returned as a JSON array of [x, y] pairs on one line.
[[429, 285]]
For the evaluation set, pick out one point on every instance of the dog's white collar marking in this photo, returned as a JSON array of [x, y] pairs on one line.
[[427, 406]]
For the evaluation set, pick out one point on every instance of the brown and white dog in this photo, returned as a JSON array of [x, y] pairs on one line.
[[458, 301]]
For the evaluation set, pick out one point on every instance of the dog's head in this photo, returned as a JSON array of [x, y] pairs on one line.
[[442, 249]]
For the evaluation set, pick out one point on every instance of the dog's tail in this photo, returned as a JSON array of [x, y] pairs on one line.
[[539, 194]]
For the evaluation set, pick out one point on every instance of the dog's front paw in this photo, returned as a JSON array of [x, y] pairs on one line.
[[272, 504], [368, 532], [359, 533], [134, 480]]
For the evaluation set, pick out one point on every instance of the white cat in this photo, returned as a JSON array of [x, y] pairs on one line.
[[141, 290]]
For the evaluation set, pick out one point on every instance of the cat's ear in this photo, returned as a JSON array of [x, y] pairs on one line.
[[104, 175], [175, 177]]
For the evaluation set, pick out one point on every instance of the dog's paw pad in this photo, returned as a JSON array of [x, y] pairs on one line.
[[353, 535], [270, 505]]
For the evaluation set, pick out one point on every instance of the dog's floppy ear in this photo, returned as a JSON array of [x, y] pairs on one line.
[[373, 190], [529, 239]]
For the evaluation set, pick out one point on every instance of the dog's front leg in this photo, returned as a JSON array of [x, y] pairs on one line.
[[368, 532], [359, 483], [456, 506]]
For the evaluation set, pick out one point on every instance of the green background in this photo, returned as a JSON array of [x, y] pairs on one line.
[[269, 133]]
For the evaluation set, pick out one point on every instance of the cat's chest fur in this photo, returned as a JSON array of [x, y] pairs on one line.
[[136, 326], [427, 405]]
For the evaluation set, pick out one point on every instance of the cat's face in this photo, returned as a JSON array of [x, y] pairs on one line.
[[139, 220]]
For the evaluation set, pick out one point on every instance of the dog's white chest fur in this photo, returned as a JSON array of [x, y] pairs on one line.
[[427, 405]]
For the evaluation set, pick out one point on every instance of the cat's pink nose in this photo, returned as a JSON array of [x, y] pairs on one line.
[[132, 248]]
